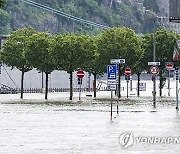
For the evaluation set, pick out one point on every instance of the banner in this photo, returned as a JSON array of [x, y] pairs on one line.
[[176, 54]]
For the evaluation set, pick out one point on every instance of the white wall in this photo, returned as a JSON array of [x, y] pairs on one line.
[[33, 79]]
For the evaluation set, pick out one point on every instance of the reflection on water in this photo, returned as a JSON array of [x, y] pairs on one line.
[[84, 127]]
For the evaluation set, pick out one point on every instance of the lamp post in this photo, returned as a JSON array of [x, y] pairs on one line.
[[177, 78], [154, 59]]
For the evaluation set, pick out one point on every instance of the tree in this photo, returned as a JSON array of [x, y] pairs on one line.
[[13, 51], [94, 66], [119, 43], [38, 55], [5, 22], [165, 42], [151, 5], [71, 52], [2, 3]]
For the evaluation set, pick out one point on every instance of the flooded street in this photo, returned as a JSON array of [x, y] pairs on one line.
[[85, 128]]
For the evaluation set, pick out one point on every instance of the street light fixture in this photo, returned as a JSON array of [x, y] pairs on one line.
[[177, 78], [154, 17]]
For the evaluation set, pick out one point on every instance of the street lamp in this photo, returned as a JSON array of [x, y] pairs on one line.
[[154, 18], [177, 78], [154, 59]]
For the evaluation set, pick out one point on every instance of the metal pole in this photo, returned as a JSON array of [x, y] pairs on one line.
[[117, 107], [80, 89], [42, 81], [169, 83], [111, 102], [154, 59], [177, 91], [0, 43], [130, 83], [119, 82], [127, 88]]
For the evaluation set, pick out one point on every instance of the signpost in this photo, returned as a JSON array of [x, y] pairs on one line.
[[111, 80], [154, 63], [127, 77], [118, 62], [154, 71], [177, 91], [169, 66], [80, 75]]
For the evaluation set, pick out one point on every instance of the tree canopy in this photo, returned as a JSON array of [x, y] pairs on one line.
[[119, 43], [164, 47], [13, 53], [2, 3], [72, 52]]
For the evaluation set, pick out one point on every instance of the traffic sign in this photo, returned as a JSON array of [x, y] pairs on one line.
[[169, 66], [111, 71], [154, 70], [112, 82], [128, 71], [154, 63], [177, 74], [117, 61], [80, 74], [79, 81], [127, 77], [112, 87]]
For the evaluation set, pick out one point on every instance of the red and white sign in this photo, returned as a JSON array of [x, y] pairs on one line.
[[169, 66], [127, 71], [154, 70], [80, 74]]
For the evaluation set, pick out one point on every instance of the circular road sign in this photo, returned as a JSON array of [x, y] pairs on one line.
[[169, 66], [80, 74], [128, 71], [154, 70]]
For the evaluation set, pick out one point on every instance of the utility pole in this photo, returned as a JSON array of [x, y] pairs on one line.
[[177, 90], [154, 59]]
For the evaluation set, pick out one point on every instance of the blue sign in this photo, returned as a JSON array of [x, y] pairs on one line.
[[111, 71]]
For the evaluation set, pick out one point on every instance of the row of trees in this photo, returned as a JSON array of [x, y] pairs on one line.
[[26, 49]]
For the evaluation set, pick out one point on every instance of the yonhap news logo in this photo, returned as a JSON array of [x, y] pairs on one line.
[[127, 140]]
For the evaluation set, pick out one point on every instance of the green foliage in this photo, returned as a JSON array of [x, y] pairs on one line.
[[165, 42], [119, 43], [117, 14], [2, 3], [72, 51], [13, 53], [13, 50], [4, 22], [151, 5], [38, 55], [37, 52]]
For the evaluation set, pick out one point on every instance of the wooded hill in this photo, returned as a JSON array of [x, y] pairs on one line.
[[19, 14]]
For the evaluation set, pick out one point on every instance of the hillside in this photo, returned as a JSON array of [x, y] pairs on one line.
[[130, 13]]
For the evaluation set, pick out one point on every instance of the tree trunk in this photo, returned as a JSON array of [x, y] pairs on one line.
[[46, 89], [138, 90], [160, 82], [22, 84], [94, 84], [71, 86]]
